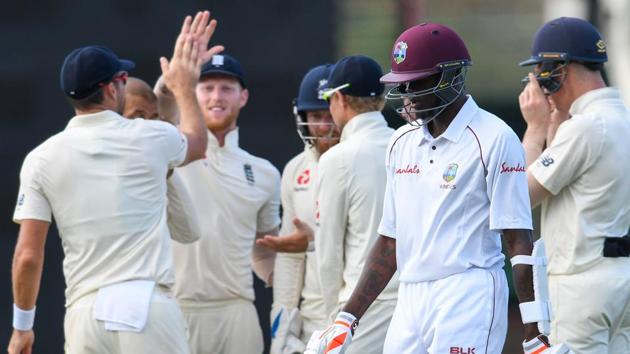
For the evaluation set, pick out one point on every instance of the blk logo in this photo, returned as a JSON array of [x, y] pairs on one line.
[[460, 350], [304, 178], [546, 160]]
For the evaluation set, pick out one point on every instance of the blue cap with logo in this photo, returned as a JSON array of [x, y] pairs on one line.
[[85, 69], [310, 97], [356, 75], [224, 64], [567, 39]]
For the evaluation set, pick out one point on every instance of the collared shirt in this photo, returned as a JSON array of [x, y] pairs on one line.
[[181, 219], [448, 198], [235, 195], [351, 185], [104, 180], [296, 275], [586, 171]]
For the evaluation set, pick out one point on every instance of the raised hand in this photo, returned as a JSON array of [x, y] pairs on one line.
[[534, 104], [21, 342]]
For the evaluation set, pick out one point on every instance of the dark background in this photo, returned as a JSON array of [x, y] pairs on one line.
[[276, 42]]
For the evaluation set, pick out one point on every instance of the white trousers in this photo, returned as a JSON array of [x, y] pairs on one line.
[[591, 310], [164, 333], [464, 313], [225, 327]]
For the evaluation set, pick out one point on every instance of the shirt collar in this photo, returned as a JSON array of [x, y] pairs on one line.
[[587, 100], [457, 126], [310, 152], [85, 120], [231, 140], [362, 122]]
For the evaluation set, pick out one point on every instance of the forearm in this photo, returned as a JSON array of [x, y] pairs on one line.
[[26, 276], [192, 124], [519, 242], [534, 143], [378, 270]]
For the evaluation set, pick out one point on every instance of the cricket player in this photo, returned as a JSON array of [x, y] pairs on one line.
[[236, 196], [183, 226], [298, 306], [351, 186], [456, 182], [103, 179], [578, 152]]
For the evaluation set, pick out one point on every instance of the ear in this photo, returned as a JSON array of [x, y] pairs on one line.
[[342, 100], [244, 98], [109, 91]]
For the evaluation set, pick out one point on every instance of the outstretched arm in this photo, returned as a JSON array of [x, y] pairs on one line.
[[378, 270]]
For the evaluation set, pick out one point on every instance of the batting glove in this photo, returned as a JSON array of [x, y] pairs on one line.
[[336, 338], [285, 331], [539, 345]]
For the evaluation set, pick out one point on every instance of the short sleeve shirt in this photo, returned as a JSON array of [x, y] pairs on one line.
[[448, 198], [586, 170], [104, 180]]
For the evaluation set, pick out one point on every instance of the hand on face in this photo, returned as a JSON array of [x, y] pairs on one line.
[[535, 106]]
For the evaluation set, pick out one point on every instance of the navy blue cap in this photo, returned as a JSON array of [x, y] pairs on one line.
[[310, 96], [226, 65], [86, 68], [567, 39], [360, 76]]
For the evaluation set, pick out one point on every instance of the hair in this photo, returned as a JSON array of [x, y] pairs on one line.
[[91, 100], [366, 104], [139, 88]]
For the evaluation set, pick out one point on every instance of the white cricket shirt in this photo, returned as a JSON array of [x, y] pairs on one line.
[[448, 198], [586, 171], [235, 195], [298, 200], [104, 180], [351, 185]]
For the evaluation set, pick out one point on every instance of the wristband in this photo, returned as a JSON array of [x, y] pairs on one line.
[[23, 320]]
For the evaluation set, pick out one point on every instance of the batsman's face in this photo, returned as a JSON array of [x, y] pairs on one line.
[[140, 107], [221, 98], [322, 126], [419, 104]]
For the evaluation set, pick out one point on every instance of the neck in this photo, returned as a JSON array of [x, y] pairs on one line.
[[94, 109], [220, 134], [444, 119]]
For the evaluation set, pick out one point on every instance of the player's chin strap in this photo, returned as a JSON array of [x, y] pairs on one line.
[[539, 310]]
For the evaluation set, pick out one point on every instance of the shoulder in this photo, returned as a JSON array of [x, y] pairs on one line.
[[294, 164], [260, 164], [490, 130]]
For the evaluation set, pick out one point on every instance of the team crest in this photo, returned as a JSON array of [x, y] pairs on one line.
[[450, 173], [320, 88], [400, 52], [601, 46]]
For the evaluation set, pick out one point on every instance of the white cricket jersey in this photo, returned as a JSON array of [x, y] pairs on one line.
[[181, 219], [586, 171], [351, 183], [235, 195], [298, 200], [448, 198], [104, 180]]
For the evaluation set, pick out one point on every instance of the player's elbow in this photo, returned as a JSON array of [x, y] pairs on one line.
[[27, 259]]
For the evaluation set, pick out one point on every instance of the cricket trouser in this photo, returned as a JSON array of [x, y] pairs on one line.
[[464, 313], [223, 327], [164, 333], [591, 309], [370, 335]]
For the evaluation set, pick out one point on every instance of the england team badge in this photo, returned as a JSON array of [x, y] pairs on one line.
[[400, 52]]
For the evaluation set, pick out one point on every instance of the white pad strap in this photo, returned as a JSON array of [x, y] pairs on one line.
[[534, 311], [528, 260]]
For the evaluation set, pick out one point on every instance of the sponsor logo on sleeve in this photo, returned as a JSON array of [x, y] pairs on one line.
[[505, 168], [546, 160]]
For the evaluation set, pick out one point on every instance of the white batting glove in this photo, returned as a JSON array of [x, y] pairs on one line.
[[286, 326], [539, 345], [336, 338]]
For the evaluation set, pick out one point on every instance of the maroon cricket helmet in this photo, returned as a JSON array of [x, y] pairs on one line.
[[424, 50]]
